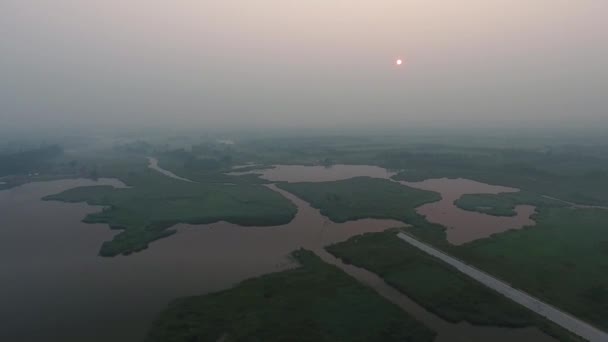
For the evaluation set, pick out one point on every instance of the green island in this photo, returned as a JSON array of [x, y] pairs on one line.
[[363, 197], [153, 203], [504, 204], [314, 302]]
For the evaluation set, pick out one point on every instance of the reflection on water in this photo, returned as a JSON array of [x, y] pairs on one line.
[[56, 288]]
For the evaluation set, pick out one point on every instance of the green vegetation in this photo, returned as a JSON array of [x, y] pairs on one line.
[[577, 176], [565, 240], [315, 302], [577, 172], [363, 197], [541, 164], [436, 285], [562, 260], [154, 202], [186, 165], [33, 164], [504, 204], [547, 165], [29, 161]]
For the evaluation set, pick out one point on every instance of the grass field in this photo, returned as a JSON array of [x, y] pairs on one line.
[[315, 302], [563, 260], [362, 197], [437, 286]]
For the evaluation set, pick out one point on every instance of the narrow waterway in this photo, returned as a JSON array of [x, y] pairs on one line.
[[559, 317]]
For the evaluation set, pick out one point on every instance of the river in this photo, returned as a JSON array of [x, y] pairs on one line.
[[56, 288]]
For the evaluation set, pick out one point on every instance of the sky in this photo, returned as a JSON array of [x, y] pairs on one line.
[[302, 63]]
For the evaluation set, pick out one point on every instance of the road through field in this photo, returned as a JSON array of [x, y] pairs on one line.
[[553, 314]]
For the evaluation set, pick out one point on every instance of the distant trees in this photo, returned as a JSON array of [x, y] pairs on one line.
[[136, 147], [202, 163], [203, 157], [29, 161]]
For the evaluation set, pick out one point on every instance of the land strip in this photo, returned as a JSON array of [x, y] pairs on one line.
[[555, 315]]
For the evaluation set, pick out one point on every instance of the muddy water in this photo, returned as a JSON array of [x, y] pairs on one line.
[[465, 226], [462, 226], [56, 288], [51, 274]]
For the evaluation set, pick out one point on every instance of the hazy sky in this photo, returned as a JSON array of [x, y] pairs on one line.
[[302, 62]]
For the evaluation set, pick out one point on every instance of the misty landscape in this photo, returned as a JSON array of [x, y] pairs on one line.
[[303, 171]]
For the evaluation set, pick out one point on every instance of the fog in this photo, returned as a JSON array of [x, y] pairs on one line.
[[307, 63]]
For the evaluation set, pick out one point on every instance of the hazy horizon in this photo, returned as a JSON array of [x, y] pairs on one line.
[[314, 63]]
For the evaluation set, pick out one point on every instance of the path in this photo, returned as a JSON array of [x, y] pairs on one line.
[[553, 314], [153, 164], [574, 205]]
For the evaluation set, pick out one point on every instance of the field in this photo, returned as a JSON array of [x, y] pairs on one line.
[[362, 197], [315, 302], [562, 260], [435, 285]]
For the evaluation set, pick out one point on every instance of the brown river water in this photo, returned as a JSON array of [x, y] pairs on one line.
[[462, 225], [56, 288]]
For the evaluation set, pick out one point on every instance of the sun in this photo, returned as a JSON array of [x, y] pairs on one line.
[[399, 62]]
